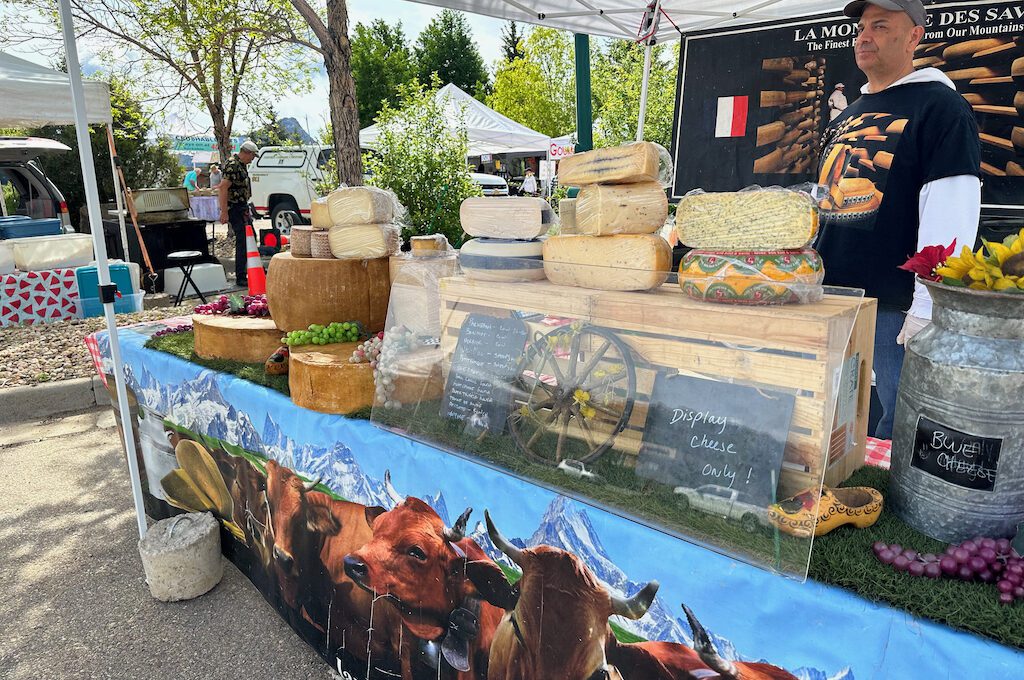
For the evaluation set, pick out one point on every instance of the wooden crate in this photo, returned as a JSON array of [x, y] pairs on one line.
[[791, 347]]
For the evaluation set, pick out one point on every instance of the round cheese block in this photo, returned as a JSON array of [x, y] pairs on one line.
[[321, 378], [320, 245], [752, 278], [417, 377], [498, 259], [301, 241], [304, 291], [237, 338]]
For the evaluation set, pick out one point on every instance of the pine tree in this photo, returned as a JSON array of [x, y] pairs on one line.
[[446, 47], [511, 42]]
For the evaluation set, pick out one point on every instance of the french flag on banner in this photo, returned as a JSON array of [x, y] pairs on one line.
[[731, 120]]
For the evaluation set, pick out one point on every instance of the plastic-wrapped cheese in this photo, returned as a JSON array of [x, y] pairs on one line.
[[622, 262], [364, 241], [621, 209], [567, 216], [515, 217], [626, 164], [431, 245], [320, 214], [360, 205], [494, 259], [773, 219], [752, 278]]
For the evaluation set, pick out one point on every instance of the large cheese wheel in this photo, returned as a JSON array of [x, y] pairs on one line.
[[321, 378], [567, 216], [773, 219], [752, 278], [416, 377], [517, 217], [320, 214], [364, 241], [623, 262], [621, 209], [236, 338], [626, 164], [360, 205], [495, 259], [304, 291]]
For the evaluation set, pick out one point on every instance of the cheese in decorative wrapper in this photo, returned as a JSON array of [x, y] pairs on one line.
[[752, 278]]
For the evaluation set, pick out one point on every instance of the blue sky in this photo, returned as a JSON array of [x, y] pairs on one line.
[[310, 109]]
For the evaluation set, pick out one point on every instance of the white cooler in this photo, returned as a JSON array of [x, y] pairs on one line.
[[208, 277]]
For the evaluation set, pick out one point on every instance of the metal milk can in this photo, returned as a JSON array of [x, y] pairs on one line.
[[958, 437]]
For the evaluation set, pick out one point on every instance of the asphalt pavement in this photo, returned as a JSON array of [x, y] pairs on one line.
[[75, 603]]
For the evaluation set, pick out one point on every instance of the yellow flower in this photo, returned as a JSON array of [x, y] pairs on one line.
[[962, 266], [588, 411], [581, 396]]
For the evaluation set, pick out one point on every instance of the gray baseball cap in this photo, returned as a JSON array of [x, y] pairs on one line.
[[249, 145], [913, 8]]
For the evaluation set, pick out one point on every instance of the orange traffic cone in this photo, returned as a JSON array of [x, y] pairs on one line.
[[257, 277]]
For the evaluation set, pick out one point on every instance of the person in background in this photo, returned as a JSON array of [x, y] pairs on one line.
[[191, 179], [837, 102], [927, 192], [234, 192], [215, 175], [529, 183]]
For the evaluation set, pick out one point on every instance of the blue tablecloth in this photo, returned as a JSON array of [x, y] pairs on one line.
[[815, 631], [204, 208]]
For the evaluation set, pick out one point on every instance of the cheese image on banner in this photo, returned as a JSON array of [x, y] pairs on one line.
[[731, 120]]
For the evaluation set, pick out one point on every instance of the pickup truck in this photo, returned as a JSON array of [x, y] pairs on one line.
[[283, 180], [723, 502]]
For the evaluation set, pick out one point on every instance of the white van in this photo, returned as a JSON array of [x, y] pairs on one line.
[[284, 181]]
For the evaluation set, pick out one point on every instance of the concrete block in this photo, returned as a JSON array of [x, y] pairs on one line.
[[99, 391], [18, 404], [156, 300], [181, 556]]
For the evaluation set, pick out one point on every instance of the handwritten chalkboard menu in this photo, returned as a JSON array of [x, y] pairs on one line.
[[483, 368], [959, 458], [708, 432]]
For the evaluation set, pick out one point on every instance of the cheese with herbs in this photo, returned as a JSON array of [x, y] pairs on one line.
[[747, 220]]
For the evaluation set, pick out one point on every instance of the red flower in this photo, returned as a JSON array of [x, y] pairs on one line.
[[924, 263]]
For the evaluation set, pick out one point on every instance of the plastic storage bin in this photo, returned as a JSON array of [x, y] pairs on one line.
[[120, 274], [6, 259], [26, 228], [52, 252], [208, 277], [125, 304]]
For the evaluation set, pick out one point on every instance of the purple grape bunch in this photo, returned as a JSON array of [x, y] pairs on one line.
[[249, 305], [988, 560], [256, 305], [170, 330]]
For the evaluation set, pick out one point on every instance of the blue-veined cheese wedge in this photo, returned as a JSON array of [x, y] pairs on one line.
[[498, 259]]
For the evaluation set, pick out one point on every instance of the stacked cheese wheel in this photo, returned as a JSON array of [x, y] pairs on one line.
[[620, 207], [352, 223], [507, 245], [751, 247]]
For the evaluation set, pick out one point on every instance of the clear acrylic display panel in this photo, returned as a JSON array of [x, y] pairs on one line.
[[584, 390]]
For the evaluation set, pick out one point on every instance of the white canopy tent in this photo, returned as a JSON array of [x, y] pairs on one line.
[[32, 95], [488, 130]]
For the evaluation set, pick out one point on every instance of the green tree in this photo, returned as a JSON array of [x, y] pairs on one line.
[[511, 39], [446, 47], [538, 90], [146, 163], [222, 57], [423, 161], [617, 77], [381, 61], [272, 132]]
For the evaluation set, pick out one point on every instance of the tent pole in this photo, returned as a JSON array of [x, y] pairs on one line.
[[584, 105], [92, 198], [117, 194], [655, 20]]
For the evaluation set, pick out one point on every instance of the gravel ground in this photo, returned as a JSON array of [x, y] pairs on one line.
[[56, 351]]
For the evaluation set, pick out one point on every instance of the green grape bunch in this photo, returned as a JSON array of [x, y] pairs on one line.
[[347, 331]]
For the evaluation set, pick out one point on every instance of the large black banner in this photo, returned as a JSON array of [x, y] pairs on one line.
[[754, 101]]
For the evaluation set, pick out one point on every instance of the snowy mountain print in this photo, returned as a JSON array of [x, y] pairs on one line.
[[814, 674]]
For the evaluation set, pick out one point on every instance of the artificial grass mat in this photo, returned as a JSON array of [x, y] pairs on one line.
[[842, 558]]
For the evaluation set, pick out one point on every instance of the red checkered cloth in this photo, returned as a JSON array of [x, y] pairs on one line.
[[877, 452]]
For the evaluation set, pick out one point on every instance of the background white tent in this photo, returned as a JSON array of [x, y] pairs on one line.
[[488, 130], [624, 18], [33, 96]]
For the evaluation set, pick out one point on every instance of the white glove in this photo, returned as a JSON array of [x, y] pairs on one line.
[[911, 327]]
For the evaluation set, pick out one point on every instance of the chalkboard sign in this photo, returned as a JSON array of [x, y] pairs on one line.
[[483, 368], [959, 458], [708, 432]]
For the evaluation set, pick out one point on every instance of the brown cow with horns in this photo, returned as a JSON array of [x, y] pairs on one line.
[[419, 565], [557, 627]]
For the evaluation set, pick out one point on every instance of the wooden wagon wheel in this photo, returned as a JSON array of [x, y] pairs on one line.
[[573, 393]]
